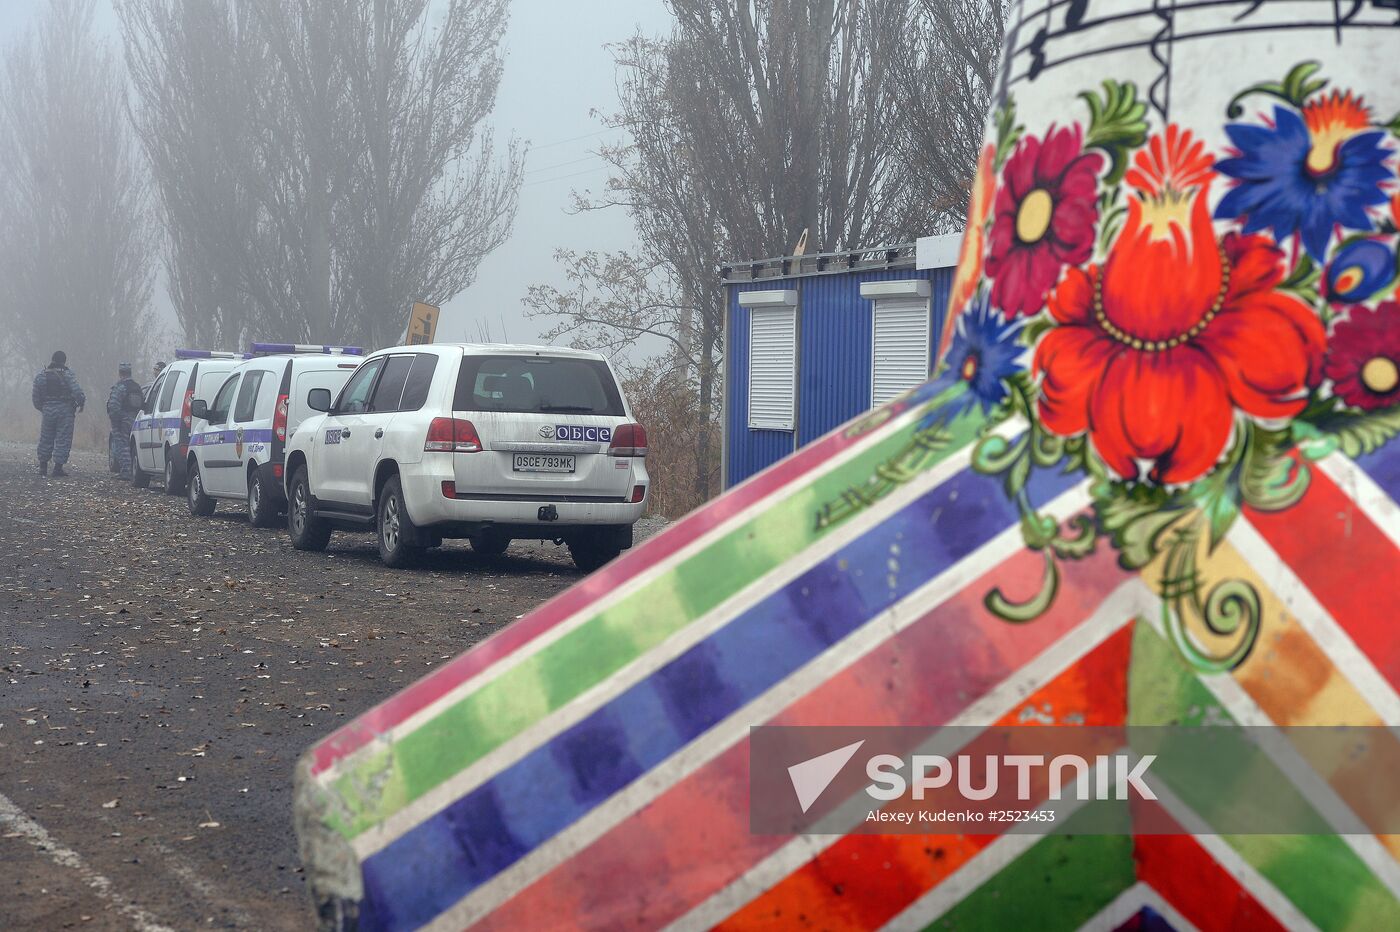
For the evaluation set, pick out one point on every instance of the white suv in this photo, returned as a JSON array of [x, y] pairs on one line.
[[489, 442]]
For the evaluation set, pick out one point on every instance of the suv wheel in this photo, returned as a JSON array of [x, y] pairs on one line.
[[201, 505], [398, 537], [261, 510], [592, 551], [172, 478], [139, 478], [489, 543], [307, 531]]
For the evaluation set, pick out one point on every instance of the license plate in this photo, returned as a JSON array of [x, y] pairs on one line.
[[542, 462]]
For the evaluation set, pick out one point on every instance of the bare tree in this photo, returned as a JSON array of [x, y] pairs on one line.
[[753, 121], [791, 109], [333, 169], [426, 199], [948, 66], [189, 65], [75, 236]]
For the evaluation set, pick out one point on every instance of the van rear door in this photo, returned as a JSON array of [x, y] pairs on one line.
[[545, 423]]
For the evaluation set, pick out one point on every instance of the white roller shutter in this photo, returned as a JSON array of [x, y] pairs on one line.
[[900, 338], [772, 359]]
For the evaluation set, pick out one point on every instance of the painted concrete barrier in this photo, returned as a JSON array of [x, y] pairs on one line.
[[1153, 481]]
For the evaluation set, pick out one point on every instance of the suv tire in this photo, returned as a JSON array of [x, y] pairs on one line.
[[261, 510], [201, 505], [172, 479], [394, 529], [139, 478], [489, 543], [307, 531], [592, 551]]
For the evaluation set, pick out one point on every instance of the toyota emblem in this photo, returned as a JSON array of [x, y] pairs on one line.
[[547, 432]]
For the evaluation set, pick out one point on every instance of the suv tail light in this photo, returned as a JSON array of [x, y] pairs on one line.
[[452, 435], [279, 419], [628, 440]]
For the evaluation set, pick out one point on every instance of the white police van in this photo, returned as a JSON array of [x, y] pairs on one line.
[[236, 451], [489, 442], [160, 435]]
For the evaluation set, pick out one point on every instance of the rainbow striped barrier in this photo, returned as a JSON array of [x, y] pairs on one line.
[[1153, 482]]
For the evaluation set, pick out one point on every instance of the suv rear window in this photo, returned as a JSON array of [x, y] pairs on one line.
[[536, 385]]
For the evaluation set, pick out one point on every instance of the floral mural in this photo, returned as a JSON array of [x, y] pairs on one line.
[[1187, 328]]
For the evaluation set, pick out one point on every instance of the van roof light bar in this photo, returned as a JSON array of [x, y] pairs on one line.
[[268, 348], [210, 354]]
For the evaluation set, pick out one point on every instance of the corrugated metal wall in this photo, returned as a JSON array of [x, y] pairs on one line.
[[833, 365], [748, 451]]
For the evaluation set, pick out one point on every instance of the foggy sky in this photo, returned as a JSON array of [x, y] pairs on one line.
[[556, 72]]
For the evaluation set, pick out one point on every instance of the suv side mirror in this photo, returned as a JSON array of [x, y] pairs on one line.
[[199, 408], [319, 399]]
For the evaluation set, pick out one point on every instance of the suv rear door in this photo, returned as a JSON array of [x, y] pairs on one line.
[[545, 423]]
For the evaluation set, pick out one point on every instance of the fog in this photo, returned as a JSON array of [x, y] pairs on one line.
[[548, 108]]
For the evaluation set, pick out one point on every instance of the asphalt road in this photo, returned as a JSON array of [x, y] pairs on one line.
[[159, 676]]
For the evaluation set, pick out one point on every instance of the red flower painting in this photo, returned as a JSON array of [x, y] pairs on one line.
[[1363, 360], [1046, 218], [1157, 349]]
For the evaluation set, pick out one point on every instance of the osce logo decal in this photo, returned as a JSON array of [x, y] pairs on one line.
[[566, 432]]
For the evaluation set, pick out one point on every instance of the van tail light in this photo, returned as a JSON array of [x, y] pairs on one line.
[[639, 492], [628, 440], [279, 419], [452, 435], [185, 408]]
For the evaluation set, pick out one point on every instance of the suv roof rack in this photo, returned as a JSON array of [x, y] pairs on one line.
[[265, 349]]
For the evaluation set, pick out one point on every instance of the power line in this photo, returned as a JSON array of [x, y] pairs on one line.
[[545, 168], [586, 171], [560, 142]]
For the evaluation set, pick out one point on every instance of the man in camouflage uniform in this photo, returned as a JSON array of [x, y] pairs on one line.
[[124, 402], [56, 393]]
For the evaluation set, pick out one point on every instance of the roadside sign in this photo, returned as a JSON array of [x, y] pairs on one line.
[[422, 323]]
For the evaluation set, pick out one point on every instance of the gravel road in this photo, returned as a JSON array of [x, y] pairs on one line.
[[159, 676]]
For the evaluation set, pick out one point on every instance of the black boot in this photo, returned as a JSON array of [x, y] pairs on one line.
[[43, 467], [58, 472]]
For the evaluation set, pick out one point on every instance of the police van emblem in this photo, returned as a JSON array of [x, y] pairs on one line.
[[546, 432], [238, 443]]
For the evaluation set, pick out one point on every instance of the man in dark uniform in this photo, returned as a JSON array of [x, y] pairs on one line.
[[57, 395], [156, 370], [124, 402]]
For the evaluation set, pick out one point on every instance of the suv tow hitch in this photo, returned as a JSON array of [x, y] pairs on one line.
[[548, 513]]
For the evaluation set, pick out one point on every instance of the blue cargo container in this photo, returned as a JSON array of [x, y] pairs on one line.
[[813, 341]]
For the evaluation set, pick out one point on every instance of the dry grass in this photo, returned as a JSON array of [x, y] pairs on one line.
[[20, 423], [666, 405]]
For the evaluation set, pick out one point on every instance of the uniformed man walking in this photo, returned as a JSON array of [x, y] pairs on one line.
[[124, 402], [56, 393]]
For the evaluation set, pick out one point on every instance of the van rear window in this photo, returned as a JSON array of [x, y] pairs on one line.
[[536, 385], [172, 385]]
